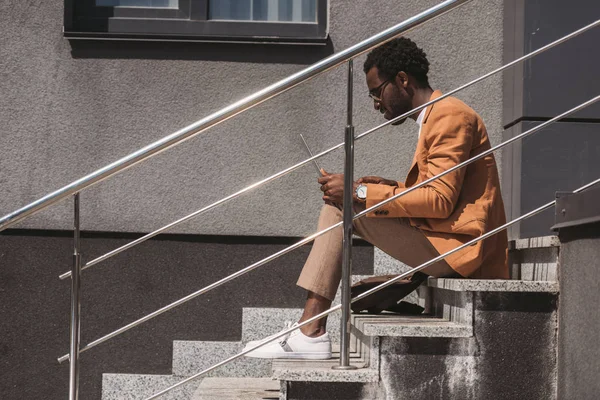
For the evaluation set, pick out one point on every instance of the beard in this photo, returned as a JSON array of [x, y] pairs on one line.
[[396, 109], [390, 116]]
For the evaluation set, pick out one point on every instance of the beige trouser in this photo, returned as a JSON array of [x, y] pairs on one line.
[[395, 236]]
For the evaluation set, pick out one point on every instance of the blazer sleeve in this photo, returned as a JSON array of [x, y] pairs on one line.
[[450, 141]]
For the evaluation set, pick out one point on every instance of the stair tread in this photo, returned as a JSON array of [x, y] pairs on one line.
[[537, 242], [321, 371], [237, 389], [493, 285], [410, 326]]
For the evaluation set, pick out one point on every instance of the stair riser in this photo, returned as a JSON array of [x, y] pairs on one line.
[[137, 386], [191, 357], [453, 306], [536, 264]]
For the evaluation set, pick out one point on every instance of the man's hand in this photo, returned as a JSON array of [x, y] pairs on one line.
[[332, 186], [377, 180]]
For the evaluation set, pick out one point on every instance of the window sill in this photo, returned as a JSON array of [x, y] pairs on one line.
[[308, 41]]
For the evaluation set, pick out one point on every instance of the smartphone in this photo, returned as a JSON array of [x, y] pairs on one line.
[[316, 164]]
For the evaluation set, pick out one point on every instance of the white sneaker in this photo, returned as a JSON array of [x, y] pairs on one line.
[[293, 345]]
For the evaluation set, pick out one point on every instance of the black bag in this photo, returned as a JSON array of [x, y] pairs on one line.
[[388, 298]]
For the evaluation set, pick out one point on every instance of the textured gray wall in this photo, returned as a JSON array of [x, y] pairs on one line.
[[68, 111], [579, 316], [34, 303], [561, 157], [560, 78], [512, 354], [565, 155]]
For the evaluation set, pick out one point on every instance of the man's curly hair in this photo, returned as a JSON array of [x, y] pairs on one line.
[[397, 55]]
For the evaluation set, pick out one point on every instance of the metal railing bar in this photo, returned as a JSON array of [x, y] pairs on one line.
[[325, 152], [196, 213], [317, 234], [348, 227], [228, 112], [75, 337], [369, 292], [201, 291]]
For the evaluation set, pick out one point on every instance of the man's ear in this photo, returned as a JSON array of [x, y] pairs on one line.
[[402, 79]]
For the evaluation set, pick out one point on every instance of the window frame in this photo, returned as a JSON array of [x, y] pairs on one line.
[[190, 22]]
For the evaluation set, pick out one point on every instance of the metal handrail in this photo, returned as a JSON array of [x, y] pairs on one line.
[[369, 292], [228, 112], [317, 234], [302, 163]]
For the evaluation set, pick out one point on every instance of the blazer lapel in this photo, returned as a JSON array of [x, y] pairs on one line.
[[413, 172]]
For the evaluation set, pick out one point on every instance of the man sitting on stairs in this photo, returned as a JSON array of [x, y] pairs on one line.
[[425, 223]]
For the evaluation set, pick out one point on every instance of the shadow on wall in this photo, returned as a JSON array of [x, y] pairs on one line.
[[232, 52]]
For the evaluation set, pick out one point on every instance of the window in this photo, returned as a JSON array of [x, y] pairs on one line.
[[263, 10], [138, 3], [290, 21]]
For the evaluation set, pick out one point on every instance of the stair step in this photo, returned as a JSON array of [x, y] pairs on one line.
[[451, 301], [321, 371], [537, 242], [138, 386], [535, 259], [191, 357], [493, 285], [411, 326], [238, 389]]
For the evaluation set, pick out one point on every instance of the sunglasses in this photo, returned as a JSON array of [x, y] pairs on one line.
[[379, 89]]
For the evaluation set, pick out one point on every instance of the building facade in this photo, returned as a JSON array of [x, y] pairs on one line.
[[74, 100]]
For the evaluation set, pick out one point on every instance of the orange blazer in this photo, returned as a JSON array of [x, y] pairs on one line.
[[461, 205]]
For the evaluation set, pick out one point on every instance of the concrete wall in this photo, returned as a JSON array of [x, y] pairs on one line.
[[565, 155], [561, 157], [69, 108], [34, 303], [578, 222], [512, 354], [578, 350]]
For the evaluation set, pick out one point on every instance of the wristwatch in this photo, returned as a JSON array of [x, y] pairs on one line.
[[361, 192]]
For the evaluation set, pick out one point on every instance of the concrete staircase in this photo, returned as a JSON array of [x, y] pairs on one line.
[[493, 339]]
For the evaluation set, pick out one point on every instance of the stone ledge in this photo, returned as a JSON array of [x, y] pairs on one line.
[[493, 285], [320, 371], [413, 326], [237, 389], [141, 386]]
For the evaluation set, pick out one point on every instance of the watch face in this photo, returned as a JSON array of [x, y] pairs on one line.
[[361, 192]]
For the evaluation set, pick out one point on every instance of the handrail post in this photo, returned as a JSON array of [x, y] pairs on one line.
[[347, 226], [75, 306]]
